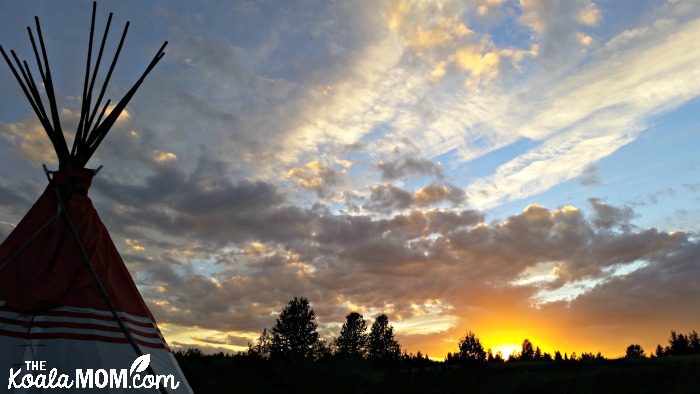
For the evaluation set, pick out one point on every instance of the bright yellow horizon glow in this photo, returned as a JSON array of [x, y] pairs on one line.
[[506, 349]]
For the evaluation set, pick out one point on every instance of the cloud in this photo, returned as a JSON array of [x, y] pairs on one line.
[[589, 15], [404, 264], [590, 176], [387, 198], [556, 27], [255, 103], [436, 193], [589, 117], [202, 202], [18, 195], [318, 177], [608, 216], [693, 187], [162, 157], [655, 196], [482, 66], [405, 165], [31, 140]]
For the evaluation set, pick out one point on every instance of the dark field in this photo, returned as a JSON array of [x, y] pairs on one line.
[[242, 374]]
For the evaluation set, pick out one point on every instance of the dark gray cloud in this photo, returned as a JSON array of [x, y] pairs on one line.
[[607, 216], [204, 203], [387, 198], [17, 198], [396, 263], [407, 165]]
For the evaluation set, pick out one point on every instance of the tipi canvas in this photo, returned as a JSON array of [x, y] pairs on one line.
[[71, 317]]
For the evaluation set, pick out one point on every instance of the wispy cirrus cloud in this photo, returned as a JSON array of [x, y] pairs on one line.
[[594, 112]]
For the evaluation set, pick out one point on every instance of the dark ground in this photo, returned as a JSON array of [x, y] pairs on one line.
[[239, 374]]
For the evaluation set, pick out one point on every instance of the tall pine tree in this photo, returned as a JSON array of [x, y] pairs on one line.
[[294, 333], [353, 337], [381, 343]]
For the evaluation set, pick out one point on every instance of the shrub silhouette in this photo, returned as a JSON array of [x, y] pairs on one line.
[[634, 351]]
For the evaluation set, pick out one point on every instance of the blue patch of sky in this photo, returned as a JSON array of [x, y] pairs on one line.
[[452, 164], [663, 156], [505, 32], [286, 38], [377, 133], [641, 8], [204, 267], [488, 164], [654, 174]]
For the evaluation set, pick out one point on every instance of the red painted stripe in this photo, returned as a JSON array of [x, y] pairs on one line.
[[78, 325], [95, 316], [81, 337], [87, 326], [86, 314]]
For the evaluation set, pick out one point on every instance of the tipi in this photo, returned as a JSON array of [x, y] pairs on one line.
[[67, 301]]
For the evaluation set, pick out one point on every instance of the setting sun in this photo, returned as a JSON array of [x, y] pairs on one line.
[[506, 349]]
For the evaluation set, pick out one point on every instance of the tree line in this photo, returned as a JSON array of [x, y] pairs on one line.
[[366, 357], [295, 336]]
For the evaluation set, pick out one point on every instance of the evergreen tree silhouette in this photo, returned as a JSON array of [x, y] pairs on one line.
[[353, 337], [294, 333], [381, 343]]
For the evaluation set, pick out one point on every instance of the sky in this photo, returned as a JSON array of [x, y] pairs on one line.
[[518, 169]]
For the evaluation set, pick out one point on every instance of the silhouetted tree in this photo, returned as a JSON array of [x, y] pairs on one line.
[[193, 352], [694, 342], [263, 347], [494, 358], [321, 350], [557, 356], [679, 345], [528, 351], [634, 351], [470, 349], [294, 333], [514, 356], [498, 357], [660, 351], [353, 337], [591, 356], [416, 360], [380, 342]]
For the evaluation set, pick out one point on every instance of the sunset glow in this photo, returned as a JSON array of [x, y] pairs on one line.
[[518, 169]]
